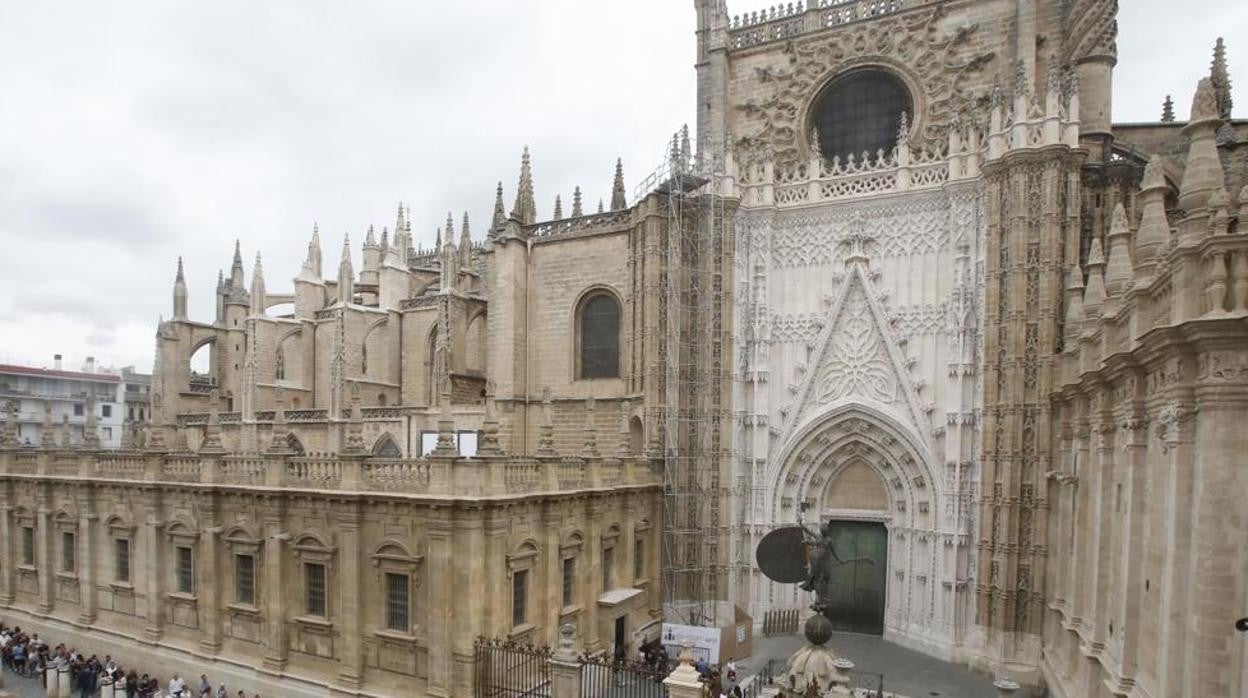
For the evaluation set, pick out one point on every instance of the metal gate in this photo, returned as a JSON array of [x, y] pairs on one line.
[[855, 589], [510, 670], [603, 678]]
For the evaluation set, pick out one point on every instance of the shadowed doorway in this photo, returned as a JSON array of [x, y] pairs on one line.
[[855, 590]]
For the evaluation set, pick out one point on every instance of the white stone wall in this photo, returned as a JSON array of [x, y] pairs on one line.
[[858, 331]]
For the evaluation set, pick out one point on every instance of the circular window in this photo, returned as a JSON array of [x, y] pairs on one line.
[[860, 111]]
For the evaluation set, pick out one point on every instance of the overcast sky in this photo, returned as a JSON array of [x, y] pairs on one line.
[[134, 132]]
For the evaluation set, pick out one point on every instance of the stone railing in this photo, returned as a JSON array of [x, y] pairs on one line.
[[434, 476], [788, 20], [565, 227], [819, 180], [192, 419]]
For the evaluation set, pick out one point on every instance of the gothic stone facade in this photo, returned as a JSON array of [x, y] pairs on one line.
[[914, 346], [914, 277]]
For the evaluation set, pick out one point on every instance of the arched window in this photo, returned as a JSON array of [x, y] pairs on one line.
[[860, 112], [280, 369], [387, 448], [599, 337]]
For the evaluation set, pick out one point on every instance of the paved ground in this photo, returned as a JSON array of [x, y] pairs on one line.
[[905, 671], [23, 687]]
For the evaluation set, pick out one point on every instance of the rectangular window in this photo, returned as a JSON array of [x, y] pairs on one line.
[[185, 570], [245, 579], [106, 410], [398, 588], [28, 545], [569, 581], [314, 587], [77, 409], [608, 569], [519, 597], [67, 551], [639, 558], [121, 559], [428, 442]]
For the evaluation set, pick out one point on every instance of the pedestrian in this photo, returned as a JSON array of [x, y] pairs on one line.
[[221, 692], [132, 684], [87, 680], [205, 688]]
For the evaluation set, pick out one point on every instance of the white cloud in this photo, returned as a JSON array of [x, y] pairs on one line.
[[133, 133]]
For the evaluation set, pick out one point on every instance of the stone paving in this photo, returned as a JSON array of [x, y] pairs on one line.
[[23, 687], [905, 671]]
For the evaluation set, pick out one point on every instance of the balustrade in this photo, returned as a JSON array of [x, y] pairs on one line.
[[433, 476]]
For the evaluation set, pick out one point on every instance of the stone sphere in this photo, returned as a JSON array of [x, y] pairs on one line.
[[818, 629]]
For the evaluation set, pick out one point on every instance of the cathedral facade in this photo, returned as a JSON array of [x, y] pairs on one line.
[[906, 277]]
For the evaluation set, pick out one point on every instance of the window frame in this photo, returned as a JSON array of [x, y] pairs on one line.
[[117, 578], [308, 591], [519, 598], [30, 557], [397, 581], [239, 579], [860, 78], [69, 552], [391, 557], [567, 571], [579, 349], [184, 569]]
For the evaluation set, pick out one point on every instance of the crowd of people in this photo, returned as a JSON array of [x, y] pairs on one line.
[[26, 654]]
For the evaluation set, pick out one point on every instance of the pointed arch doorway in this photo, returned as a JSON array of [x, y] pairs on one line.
[[855, 590]]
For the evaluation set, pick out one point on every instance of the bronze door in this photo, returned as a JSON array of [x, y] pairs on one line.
[[855, 588]]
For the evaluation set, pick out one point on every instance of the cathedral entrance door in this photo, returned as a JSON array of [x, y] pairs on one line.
[[855, 590]]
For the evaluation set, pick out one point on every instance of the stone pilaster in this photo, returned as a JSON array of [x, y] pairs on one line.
[[441, 595], [208, 587], [1134, 435], [7, 552], [275, 582], [44, 555], [153, 571], [1175, 435], [86, 562], [351, 671]]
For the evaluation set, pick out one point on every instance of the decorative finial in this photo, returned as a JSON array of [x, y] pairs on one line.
[[618, 202], [180, 278], [1221, 80], [1205, 101], [525, 209], [558, 208], [576, 203], [600, 205], [1167, 110], [500, 214]]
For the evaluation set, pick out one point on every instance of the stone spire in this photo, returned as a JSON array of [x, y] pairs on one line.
[[1167, 110], [618, 202], [385, 241], [489, 445], [450, 228], [1221, 80], [558, 209], [599, 205], [312, 265], [465, 246], [500, 213], [525, 209], [1202, 172], [402, 239], [179, 294], [1118, 270], [257, 288], [1154, 232], [1094, 294], [279, 442], [577, 212], [686, 150], [346, 274], [236, 269], [370, 239], [212, 432]]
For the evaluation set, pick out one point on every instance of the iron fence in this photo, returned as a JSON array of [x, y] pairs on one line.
[[866, 684], [603, 677], [510, 670], [781, 621]]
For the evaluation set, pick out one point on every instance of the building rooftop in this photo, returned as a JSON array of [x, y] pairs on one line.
[[11, 370]]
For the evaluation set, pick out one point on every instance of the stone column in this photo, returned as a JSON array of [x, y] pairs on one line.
[[565, 670], [209, 585], [43, 555], [592, 586], [439, 580], [351, 672], [7, 553], [1176, 501], [468, 602], [86, 562], [683, 683], [1102, 540], [154, 572], [275, 594], [1135, 447], [552, 591]]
